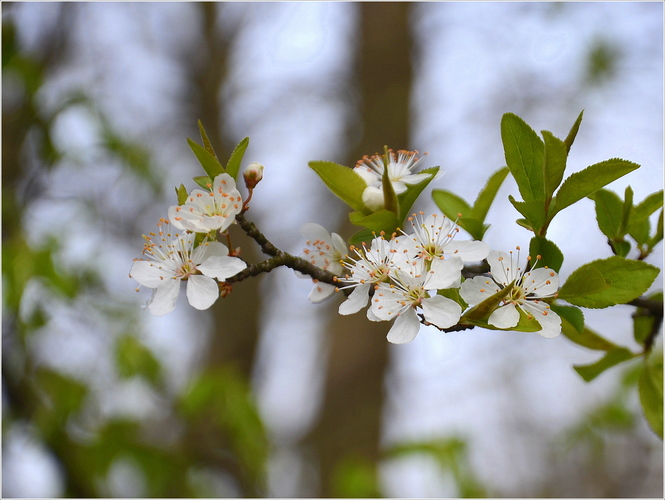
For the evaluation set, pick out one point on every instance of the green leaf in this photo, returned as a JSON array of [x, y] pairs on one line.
[[209, 163], [181, 193], [487, 194], [550, 254], [571, 314], [612, 358], [483, 310], [591, 179], [609, 210], [450, 204], [204, 181], [570, 138], [588, 338], [555, 162], [658, 235], [607, 282], [627, 209], [344, 182], [204, 138], [383, 220], [650, 387], [524, 152], [533, 211], [638, 225], [644, 320], [409, 197], [233, 165], [133, 358]]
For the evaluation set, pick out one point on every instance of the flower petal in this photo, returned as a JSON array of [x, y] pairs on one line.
[[505, 316], [541, 282], [477, 289], [149, 273], [315, 232], [548, 319], [441, 311], [162, 301], [405, 328], [320, 292], [221, 267], [468, 251], [444, 273], [202, 292], [356, 300], [500, 267]]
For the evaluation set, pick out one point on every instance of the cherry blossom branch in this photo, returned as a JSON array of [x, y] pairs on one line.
[[279, 258]]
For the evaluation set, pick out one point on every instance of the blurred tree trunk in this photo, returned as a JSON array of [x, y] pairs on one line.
[[349, 429]]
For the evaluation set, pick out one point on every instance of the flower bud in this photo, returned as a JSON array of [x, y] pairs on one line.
[[373, 198], [253, 174]]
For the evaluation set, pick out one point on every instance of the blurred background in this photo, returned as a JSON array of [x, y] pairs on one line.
[[265, 394]]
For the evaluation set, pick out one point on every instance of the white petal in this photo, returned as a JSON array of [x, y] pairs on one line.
[[415, 178], [314, 232], [405, 328], [500, 267], [202, 292], [445, 273], [149, 274], [368, 175], [221, 267], [541, 282], [162, 300], [356, 300], [371, 316], [477, 289], [387, 303], [468, 251], [548, 319], [339, 244], [441, 311], [505, 317], [320, 292]]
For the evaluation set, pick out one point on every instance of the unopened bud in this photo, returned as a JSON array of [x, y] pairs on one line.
[[373, 198], [253, 174]]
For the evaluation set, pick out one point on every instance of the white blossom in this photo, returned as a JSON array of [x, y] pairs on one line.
[[206, 211], [172, 258], [409, 290], [529, 290], [323, 250]]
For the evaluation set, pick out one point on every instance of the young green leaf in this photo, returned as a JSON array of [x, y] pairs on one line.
[[389, 197], [233, 165], [484, 309], [555, 162], [450, 204], [364, 235], [533, 211], [209, 163], [570, 138], [383, 220], [650, 387], [344, 182], [638, 225], [206, 142], [181, 193], [550, 255], [626, 211], [524, 152], [571, 314], [588, 338], [588, 181], [607, 282], [204, 181], [409, 197], [487, 194], [612, 358], [609, 210]]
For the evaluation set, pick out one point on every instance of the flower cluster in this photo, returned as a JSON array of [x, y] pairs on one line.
[[400, 278], [405, 273], [172, 256]]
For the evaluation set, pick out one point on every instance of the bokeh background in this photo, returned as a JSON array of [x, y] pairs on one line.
[[266, 394]]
